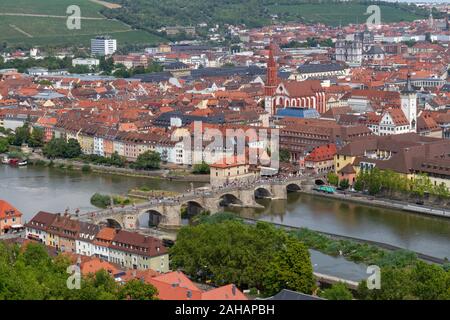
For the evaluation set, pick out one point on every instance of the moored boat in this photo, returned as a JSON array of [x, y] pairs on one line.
[[22, 163], [14, 161]]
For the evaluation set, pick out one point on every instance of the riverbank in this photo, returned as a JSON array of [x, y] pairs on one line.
[[382, 202], [166, 174], [380, 245]]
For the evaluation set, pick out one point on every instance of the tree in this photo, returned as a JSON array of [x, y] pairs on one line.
[[117, 160], [338, 291], [441, 191], [29, 273], [100, 200], [430, 282], [344, 184], [72, 149], [290, 269], [395, 285], [21, 135], [80, 69], [148, 160], [36, 138], [229, 251], [137, 290], [358, 185], [121, 73], [285, 156], [327, 43], [201, 168], [4, 145], [55, 148], [421, 184], [421, 281], [106, 64], [312, 42], [332, 178]]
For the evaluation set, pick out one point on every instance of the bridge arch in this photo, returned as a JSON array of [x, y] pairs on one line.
[[228, 199], [319, 182], [191, 208], [111, 223], [262, 192], [293, 187], [149, 218]]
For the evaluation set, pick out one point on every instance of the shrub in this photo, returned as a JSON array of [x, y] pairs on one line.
[[100, 200]]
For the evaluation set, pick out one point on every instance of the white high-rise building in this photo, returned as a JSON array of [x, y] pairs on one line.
[[103, 46]]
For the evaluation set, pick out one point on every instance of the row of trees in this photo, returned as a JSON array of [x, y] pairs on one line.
[[60, 148], [50, 63], [422, 281], [70, 149], [24, 135], [229, 251], [106, 66], [311, 42], [201, 168], [122, 72], [148, 160], [333, 179], [29, 273], [114, 160], [389, 182]]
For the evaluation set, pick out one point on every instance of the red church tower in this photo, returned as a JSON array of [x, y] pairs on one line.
[[271, 81]]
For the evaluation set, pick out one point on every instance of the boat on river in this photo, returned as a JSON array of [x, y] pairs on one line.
[[17, 162]]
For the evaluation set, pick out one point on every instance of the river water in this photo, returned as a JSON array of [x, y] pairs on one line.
[[417, 232], [32, 189]]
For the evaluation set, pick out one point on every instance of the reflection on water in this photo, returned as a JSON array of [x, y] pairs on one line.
[[32, 189], [425, 234]]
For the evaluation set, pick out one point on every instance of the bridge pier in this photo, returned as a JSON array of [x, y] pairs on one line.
[[248, 199], [171, 217], [279, 192]]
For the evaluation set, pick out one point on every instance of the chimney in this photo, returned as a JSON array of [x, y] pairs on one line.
[[233, 289]]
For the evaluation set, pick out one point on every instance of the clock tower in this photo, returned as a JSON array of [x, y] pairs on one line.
[[408, 100]]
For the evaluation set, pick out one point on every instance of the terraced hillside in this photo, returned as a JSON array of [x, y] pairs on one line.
[[44, 22]]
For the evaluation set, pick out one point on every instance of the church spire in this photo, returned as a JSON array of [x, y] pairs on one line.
[[271, 79], [408, 87]]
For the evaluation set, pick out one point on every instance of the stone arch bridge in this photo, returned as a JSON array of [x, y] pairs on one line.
[[167, 212]]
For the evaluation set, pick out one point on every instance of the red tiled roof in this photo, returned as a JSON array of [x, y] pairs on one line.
[[175, 286], [398, 117], [228, 292], [322, 153], [96, 264], [8, 211]]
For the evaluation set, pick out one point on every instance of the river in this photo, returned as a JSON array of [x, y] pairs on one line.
[[417, 232], [32, 189]]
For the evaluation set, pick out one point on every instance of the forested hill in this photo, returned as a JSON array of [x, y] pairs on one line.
[[154, 14]]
